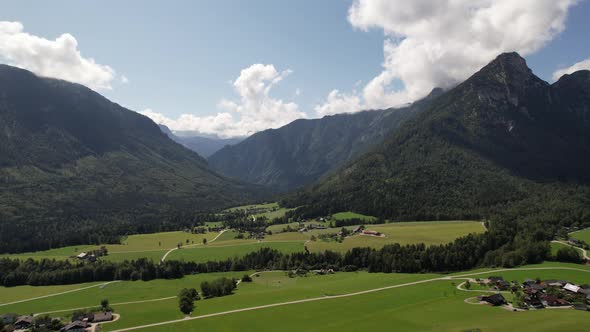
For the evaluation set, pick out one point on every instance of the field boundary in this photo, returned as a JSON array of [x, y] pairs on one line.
[[60, 293]]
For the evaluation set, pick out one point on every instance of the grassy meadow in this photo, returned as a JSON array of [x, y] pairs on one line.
[[583, 235], [435, 305]]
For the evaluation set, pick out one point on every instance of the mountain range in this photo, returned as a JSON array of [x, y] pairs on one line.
[[303, 151], [502, 141], [204, 146], [70, 158]]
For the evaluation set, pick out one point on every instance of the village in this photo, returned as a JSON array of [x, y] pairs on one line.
[[533, 294]]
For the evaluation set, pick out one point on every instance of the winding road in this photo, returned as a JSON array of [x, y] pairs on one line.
[[190, 245]]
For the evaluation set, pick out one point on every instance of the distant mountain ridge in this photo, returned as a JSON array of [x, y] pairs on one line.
[[303, 151], [71, 160], [502, 142], [204, 146]]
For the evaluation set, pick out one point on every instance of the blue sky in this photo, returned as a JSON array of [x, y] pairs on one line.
[[181, 57]]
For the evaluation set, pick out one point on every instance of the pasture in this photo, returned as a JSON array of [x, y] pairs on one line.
[[433, 305], [220, 252], [583, 235], [351, 215]]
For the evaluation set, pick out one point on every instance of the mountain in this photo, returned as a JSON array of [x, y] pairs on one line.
[[75, 166], [502, 142], [204, 146], [301, 152]]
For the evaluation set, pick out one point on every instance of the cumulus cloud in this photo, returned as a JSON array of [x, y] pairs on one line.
[[59, 58], [338, 102], [255, 110], [438, 43], [582, 65]]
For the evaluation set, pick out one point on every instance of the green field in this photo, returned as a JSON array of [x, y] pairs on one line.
[[434, 305], [429, 233], [152, 246], [352, 215], [254, 206], [222, 252], [583, 235]]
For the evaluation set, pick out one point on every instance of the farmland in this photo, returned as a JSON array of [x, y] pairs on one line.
[[155, 246], [432, 304]]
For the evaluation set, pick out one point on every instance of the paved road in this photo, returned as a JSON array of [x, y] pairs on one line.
[[584, 253], [340, 296], [60, 293]]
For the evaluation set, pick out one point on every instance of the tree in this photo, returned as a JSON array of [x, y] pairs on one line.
[[204, 241], [186, 305], [568, 254], [186, 300], [246, 278], [467, 285], [104, 304]]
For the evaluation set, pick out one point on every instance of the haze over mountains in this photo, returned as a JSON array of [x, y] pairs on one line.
[[504, 141], [204, 146], [71, 158]]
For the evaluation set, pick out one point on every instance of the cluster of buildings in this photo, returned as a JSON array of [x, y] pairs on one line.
[[80, 324], [539, 294]]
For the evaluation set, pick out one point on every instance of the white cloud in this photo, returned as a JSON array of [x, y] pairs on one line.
[[124, 79], [256, 110], [338, 102], [582, 65], [438, 43], [58, 58]]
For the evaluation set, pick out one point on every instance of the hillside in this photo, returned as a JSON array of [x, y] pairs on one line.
[[504, 142], [301, 152], [75, 168], [204, 146]]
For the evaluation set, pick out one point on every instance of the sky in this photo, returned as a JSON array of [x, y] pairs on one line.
[[232, 68]]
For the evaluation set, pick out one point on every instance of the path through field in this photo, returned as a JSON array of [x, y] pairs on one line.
[[342, 296], [191, 245], [60, 293], [584, 253]]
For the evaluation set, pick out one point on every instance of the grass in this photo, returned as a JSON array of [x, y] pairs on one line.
[[431, 306], [254, 206], [152, 246], [429, 233], [352, 215], [583, 235], [220, 252], [270, 215]]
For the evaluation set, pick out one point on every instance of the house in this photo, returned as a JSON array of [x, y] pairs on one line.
[[494, 280], [588, 299], [102, 317], [555, 283], [533, 302], [553, 301], [357, 229], [572, 288], [529, 282], [76, 326], [82, 255], [23, 322], [537, 287], [495, 300], [503, 285], [374, 233], [582, 307], [8, 318]]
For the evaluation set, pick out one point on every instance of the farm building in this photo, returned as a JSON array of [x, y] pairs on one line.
[[495, 300], [571, 287], [23, 322], [373, 233], [552, 301], [102, 317], [76, 326]]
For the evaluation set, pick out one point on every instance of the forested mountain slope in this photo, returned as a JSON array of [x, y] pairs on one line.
[[304, 150], [504, 142], [75, 167]]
